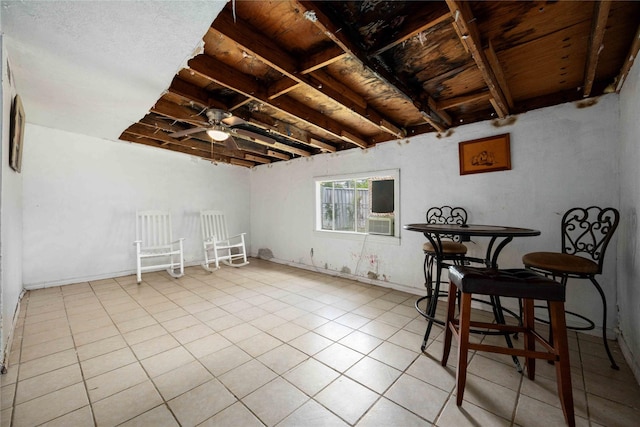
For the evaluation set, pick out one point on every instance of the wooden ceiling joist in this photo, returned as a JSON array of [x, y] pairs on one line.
[[258, 46], [631, 56], [465, 25], [446, 104], [224, 75], [599, 25]]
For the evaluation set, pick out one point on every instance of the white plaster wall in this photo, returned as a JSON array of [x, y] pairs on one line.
[[562, 157], [10, 217], [629, 253], [81, 194]]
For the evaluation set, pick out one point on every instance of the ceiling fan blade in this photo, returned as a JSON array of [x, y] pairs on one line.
[[186, 132], [233, 121], [255, 137]]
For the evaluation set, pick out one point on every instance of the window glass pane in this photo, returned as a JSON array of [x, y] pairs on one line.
[[326, 199]]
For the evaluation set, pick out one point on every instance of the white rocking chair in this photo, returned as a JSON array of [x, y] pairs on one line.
[[218, 245], [154, 240]]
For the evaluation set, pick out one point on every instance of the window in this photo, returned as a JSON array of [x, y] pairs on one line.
[[358, 203]]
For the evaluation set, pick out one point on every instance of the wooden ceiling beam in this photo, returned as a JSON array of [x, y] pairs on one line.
[[194, 93], [260, 47], [328, 148], [446, 104], [465, 25], [129, 137], [241, 162], [414, 25], [321, 59], [278, 155], [598, 27], [227, 76], [313, 11], [256, 159], [178, 112], [633, 53], [494, 63]]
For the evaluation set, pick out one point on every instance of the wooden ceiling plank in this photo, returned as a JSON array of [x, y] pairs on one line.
[[137, 139], [354, 139], [416, 24], [238, 101], [313, 13], [282, 87], [256, 159], [278, 155], [465, 25], [434, 123], [178, 112], [240, 162], [461, 100], [321, 59], [598, 27], [259, 46], [158, 135], [194, 93], [322, 145], [441, 113], [633, 53]]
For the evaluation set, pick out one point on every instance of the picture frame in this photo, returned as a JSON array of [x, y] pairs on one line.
[[488, 154], [16, 134]]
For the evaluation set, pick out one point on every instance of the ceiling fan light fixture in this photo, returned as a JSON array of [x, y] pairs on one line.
[[217, 133]]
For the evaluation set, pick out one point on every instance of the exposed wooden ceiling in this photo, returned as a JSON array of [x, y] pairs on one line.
[[306, 77]]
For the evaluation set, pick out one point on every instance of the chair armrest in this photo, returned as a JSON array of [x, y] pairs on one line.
[[237, 235]]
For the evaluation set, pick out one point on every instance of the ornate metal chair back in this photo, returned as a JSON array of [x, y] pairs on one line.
[[587, 232], [447, 215]]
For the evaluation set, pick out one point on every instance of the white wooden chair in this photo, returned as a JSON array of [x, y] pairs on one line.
[[218, 245], [154, 242]]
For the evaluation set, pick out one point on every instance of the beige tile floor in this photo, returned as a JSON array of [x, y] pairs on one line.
[[268, 344]]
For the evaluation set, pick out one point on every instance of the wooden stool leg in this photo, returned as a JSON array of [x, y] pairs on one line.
[[451, 307], [563, 367], [528, 321], [463, 345]]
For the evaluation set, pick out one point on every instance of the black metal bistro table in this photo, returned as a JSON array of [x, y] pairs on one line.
[[499, 236]]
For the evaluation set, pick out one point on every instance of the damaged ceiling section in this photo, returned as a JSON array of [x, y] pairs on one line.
[[279, 80]]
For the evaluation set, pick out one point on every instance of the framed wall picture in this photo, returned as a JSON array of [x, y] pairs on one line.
[[16, 134], [485, 155]]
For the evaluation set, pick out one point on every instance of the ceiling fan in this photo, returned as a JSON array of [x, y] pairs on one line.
[[222, 128]]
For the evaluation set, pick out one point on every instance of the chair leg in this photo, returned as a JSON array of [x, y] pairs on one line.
[[604, 323], [432, 305], [563, 367], [139, 270], [528, 321], [463, 345], [448, 333]]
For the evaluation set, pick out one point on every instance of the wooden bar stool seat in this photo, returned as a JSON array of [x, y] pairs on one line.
[[517, 283]]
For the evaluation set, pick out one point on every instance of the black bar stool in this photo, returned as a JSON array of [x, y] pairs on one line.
[[516, 283]]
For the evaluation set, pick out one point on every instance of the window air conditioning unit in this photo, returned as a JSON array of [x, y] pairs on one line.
[[380, 225]]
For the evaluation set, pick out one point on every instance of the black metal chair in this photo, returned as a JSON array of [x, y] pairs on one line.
[[586, 233], [451, 252]]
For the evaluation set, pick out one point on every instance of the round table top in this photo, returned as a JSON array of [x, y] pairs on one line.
[[472, 230]]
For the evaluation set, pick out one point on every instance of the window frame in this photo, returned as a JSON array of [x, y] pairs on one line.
[[356, 235]]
